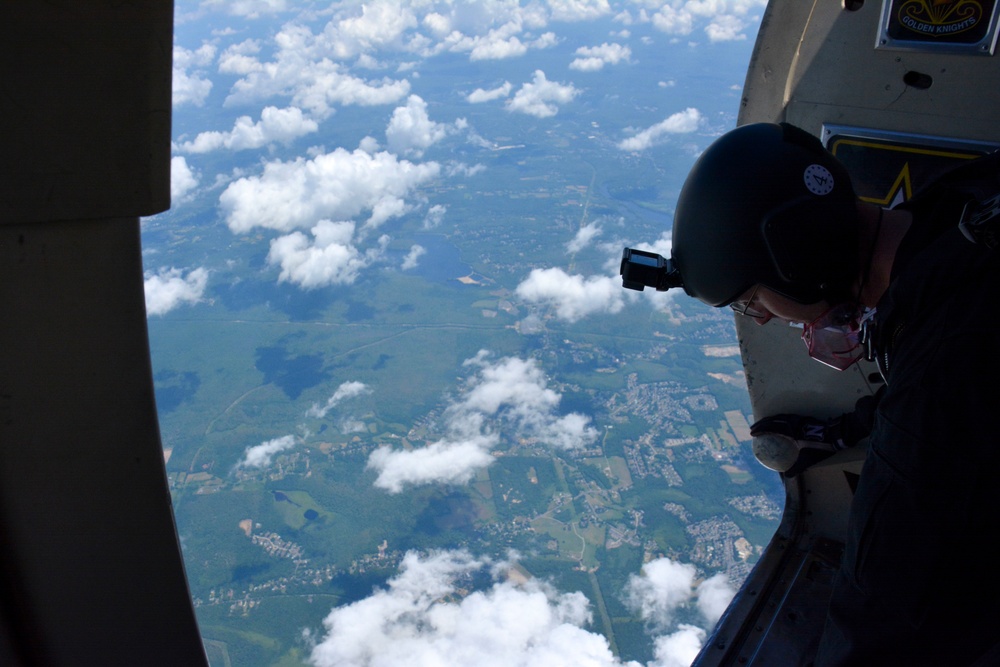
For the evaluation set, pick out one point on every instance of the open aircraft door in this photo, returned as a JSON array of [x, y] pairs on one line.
[[900, 91]]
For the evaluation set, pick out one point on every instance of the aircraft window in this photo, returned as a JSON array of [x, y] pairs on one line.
[[387, 347]]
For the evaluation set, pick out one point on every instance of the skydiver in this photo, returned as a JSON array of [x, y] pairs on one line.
[[768, 223]]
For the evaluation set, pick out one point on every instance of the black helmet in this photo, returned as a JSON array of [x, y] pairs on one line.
[[767, 204]]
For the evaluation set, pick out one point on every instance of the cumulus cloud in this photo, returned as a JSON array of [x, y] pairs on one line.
[[338, 185], [328, 257], [418, 620], [662, 589], [583, 237], [593, 58], [381, 24], [435, 214], [511, 397], [344, 391], [411, 131], [275, 125], [721, 20], [169, 288], [678, 123], [250, 9], [726, 29], [425, 615], [413, 257], [479, 95], [241, 58], [673, 20], [680, 648], [259, 456], [578, 10], [507, 40], [448, 461], [191, 87], [183, 179], [302, 71], [541, 97], [713, 597], [572, 297]]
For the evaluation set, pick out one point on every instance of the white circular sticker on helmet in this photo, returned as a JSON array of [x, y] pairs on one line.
[[818, 179]]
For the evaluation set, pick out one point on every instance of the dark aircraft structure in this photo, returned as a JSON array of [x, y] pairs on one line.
[[90, 565], [91, 570]]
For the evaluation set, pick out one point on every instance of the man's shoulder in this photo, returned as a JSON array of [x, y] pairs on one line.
[[976, 178]]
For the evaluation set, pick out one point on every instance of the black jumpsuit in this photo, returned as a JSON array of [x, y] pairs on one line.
[[920, 579]]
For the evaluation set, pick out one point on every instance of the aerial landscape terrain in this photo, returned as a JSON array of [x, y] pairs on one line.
[[407, 409]]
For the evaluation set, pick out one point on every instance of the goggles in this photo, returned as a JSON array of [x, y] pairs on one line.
[[834, 338]]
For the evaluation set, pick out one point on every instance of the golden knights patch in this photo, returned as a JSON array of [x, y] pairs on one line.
[[967, 25]]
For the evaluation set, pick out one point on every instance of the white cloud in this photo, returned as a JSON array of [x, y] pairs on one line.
[[507, 40], [170, 288], [425, 616], [412, 258], [480, 95], [496, 45], [659, 591], [191, 87], [381, 24], [241, 58], [462, 169], [183, 179], [250, 9], [435, 214], [439, 24], [510, 396], [259, 456], [303, 71], [344, 391], [578, 10], [275, 125], [726, 29], [572, 297], [714, 595], [446, 461], [724, 20], [583, 237], [540, 97], [416, 620], [593, 58], [678, 123], [673, 21], [330, 257], [411, 131], [337, 185], [678, 649]]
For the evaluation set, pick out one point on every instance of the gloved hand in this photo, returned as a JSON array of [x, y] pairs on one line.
[[791, 443], [828, 432], [815, 439]]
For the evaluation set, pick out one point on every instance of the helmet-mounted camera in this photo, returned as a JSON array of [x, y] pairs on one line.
[[640, 269]]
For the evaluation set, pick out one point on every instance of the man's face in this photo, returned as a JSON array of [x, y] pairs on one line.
[[763, 305]]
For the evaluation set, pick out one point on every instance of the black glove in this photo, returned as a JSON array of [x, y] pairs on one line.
[[791, 443], [818, 439], [829, 432]]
